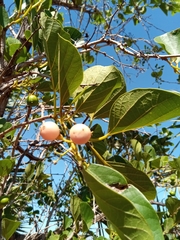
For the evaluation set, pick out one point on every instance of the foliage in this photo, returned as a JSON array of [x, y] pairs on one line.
[[62, 190]]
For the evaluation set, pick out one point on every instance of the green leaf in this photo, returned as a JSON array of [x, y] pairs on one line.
[[2, 122], [50, 30], [99, 84], [67, 222], [6, 166], [106, 175], [63, 59], [17, 3], [100, 146], [142, 107], [9, 227], [45, 86], [46, 4], [125, 207], [168, 224], [103, 112], [50, 193], [177, 216], [39, 169], [74, 33], [4, 126], [172, 204], [4, 18], [29, 171], [176, 165], [137, 147], [75, 207], [135, 177], [13, 45], [159, 162], [164, 7], [70, 71], [87, 215], [54, 237], [170, 42], [34, 26], [146, 210]]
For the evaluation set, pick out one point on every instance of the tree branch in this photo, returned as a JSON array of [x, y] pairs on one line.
[[71, 6]]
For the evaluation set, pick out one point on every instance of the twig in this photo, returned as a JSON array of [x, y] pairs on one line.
[[24, 124]]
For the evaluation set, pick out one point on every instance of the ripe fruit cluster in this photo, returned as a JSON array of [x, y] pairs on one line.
[[80, 133]]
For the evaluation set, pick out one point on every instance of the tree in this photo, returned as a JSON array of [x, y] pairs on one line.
[[48, 72]]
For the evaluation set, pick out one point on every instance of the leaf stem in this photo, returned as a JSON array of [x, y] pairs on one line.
[[97, 155], [39, 3], [55, 104], [100, 138]]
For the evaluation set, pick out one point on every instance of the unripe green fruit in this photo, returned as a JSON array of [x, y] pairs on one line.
[[172, 193], [32, 100], [4, 200]]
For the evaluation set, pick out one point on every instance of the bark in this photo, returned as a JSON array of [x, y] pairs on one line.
[[7, 69], [18, 236], [4, 97], [71, 6]]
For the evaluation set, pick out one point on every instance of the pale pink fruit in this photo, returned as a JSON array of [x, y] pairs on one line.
[[80, 133], [49, 131]]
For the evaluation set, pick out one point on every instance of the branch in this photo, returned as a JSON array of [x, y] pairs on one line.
[[28, 154], [71, 6], [54, 206], [139, 54], [158, 203], [2, 48], [24, 124], [4, 100]]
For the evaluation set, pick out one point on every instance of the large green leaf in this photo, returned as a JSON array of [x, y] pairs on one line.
[[103, 112], [6, 165], [126, 207], [70, 71], [142, 107], [64, 60], [99, 86], [170, 42], [146, 210], [135, 177], [50, 30], [9, 227]]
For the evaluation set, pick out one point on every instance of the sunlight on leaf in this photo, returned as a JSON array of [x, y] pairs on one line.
[[143, 107], [125, 206], [170, 42]]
